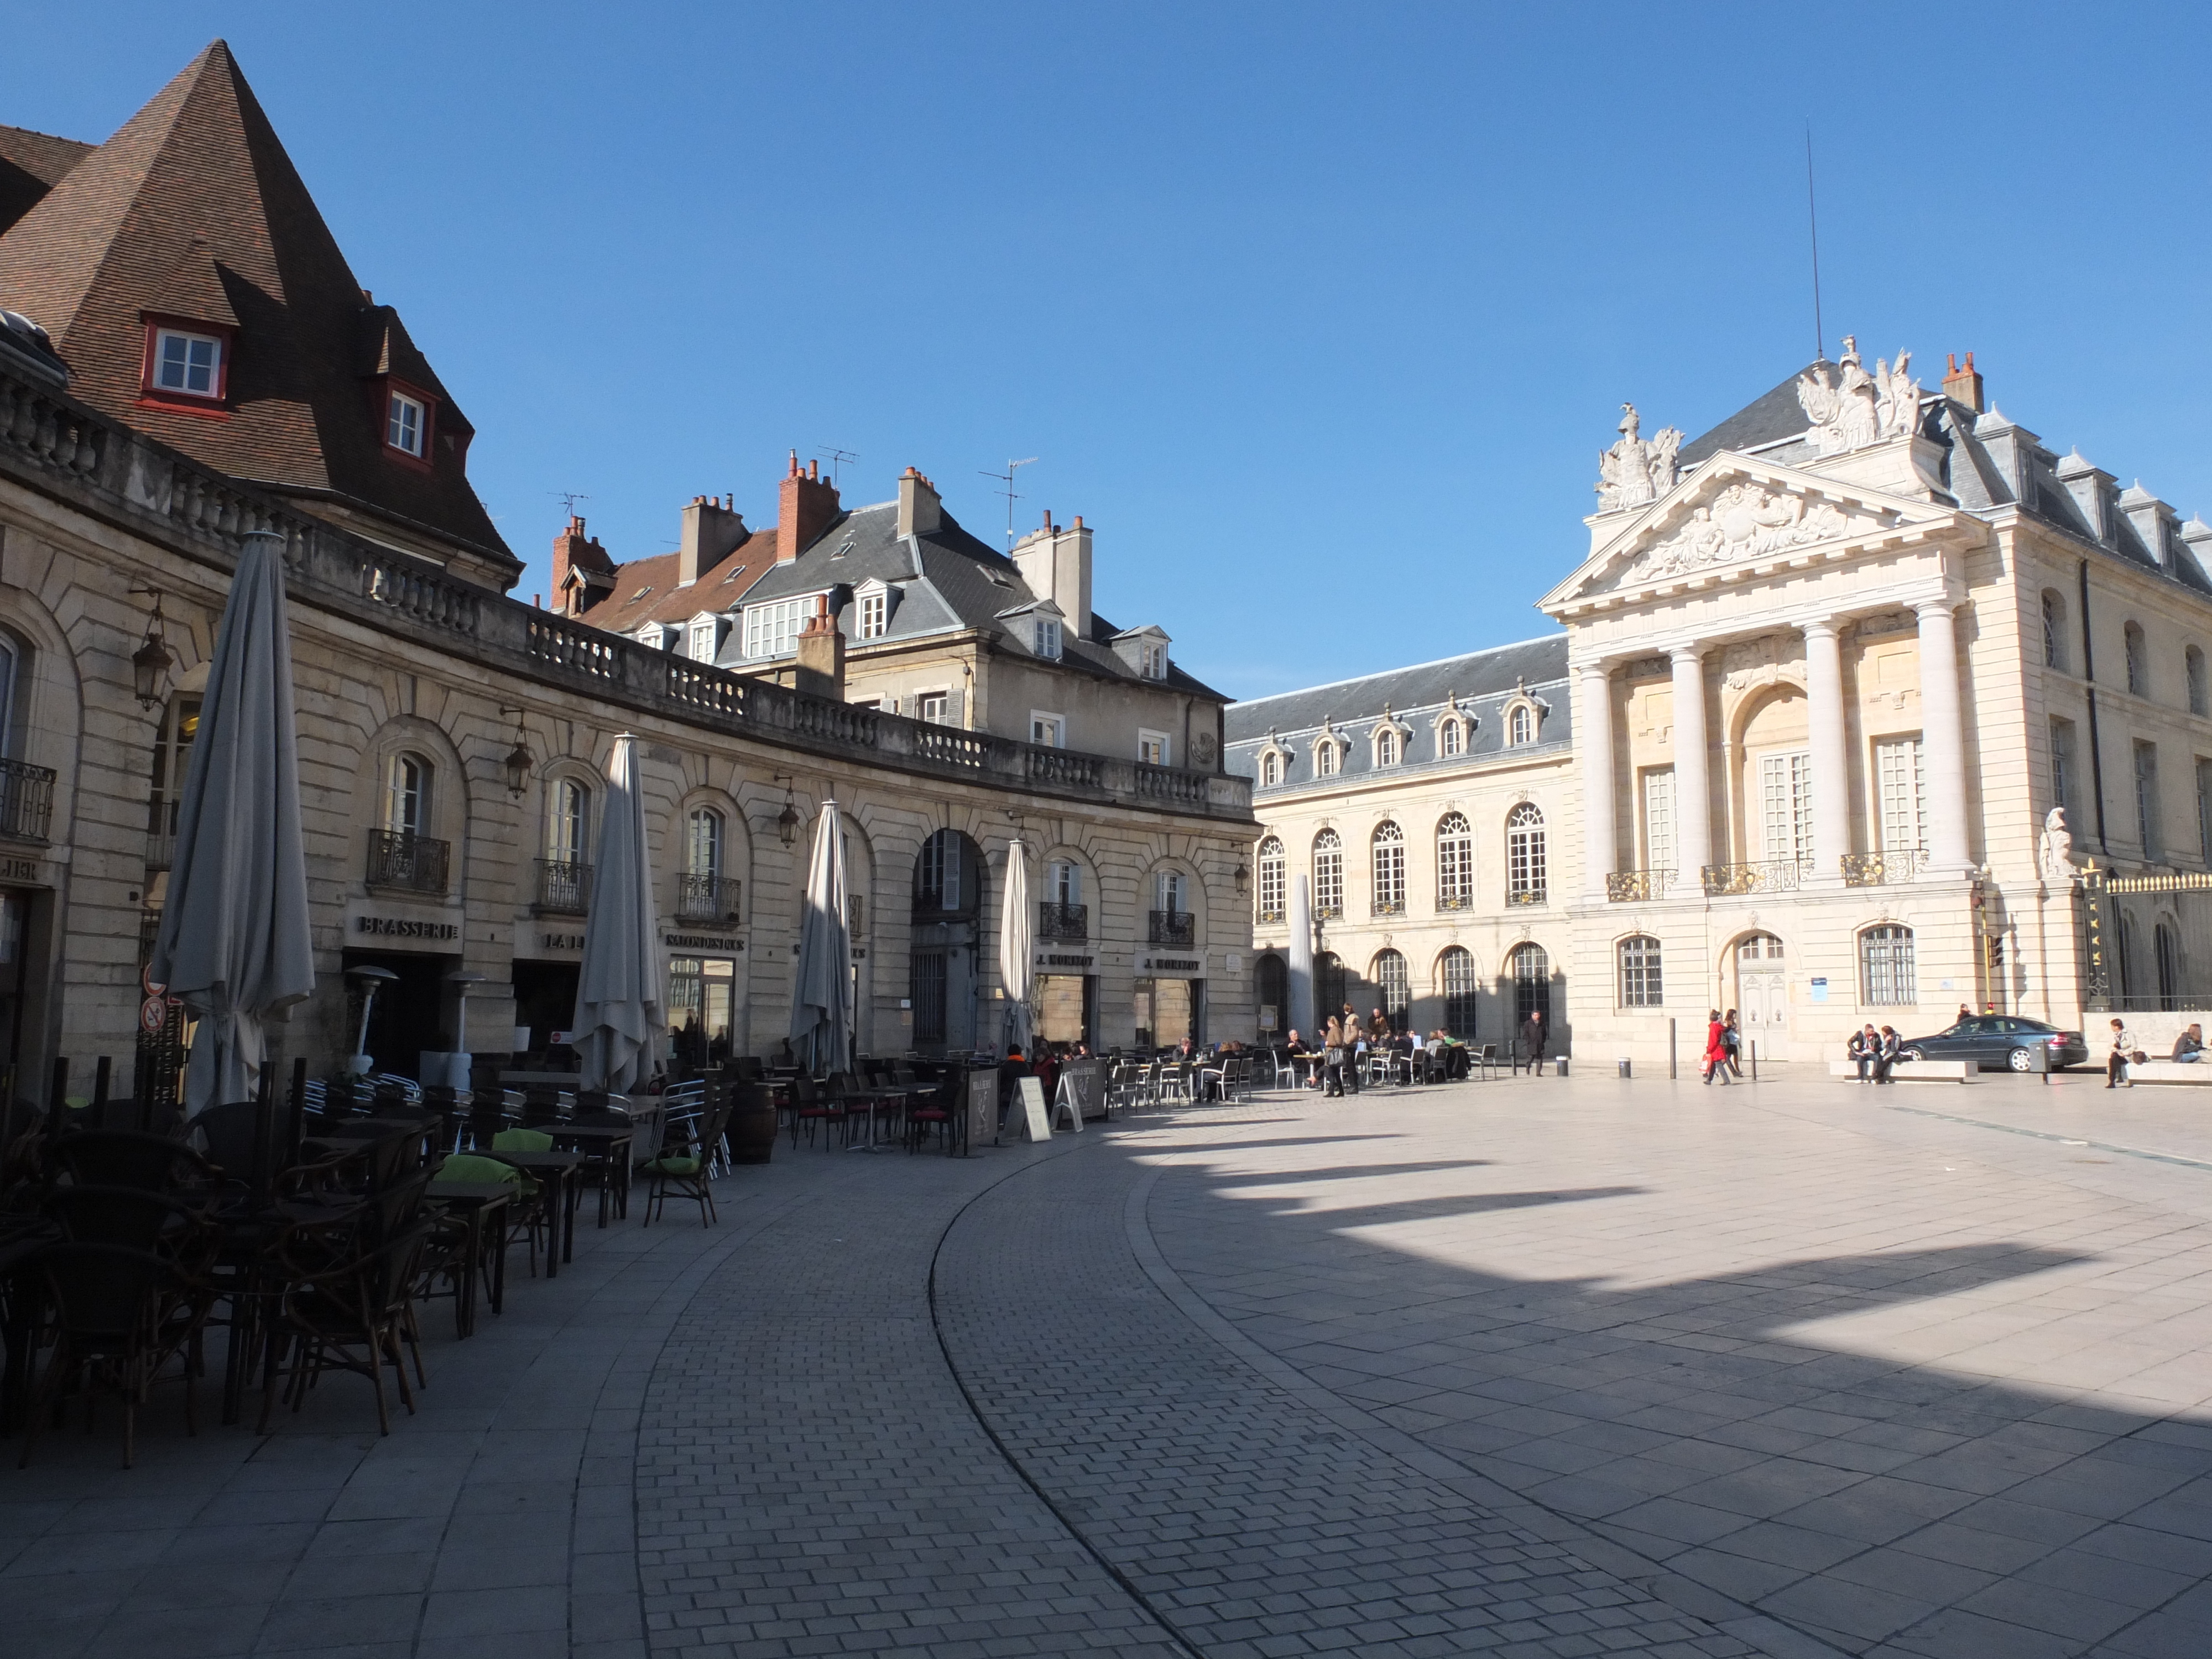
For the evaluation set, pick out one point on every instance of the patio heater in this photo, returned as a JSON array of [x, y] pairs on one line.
[[372, 979]]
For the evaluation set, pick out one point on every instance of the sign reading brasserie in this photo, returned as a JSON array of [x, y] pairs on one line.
[[401, 928]]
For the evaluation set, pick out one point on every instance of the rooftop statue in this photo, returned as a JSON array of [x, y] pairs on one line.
[[1850, 408], [1634, 472]]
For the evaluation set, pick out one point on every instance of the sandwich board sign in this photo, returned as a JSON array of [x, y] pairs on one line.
[[982, 1108], [1029, 1096], [1067, 1105]]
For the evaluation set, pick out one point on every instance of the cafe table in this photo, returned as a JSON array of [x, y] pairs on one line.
[[557, 1170], [479, 1203], [611, 1142]]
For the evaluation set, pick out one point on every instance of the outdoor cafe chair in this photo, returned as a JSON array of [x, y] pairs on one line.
[[936, 1113], [130, 1158], [691, 1170], [353, 1316]]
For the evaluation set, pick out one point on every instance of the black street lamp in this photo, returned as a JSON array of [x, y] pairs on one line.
[[151, 662]]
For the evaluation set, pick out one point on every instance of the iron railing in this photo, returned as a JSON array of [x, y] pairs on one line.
[[27, 801], [1880, 869], [415, 864], [1387, 907], [1766, 876], [1063, 921], [1460, 901], [1274, 914], [564, 887], [1631, 886], [1517, 895], [1171, 927], [707, 898]]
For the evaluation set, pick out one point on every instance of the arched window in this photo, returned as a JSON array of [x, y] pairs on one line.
[[1328, 987], [1386, 747], [1451, 739], [1524, 855], [1270, 769], [2166, 951], [1759, 947], [1272, 904], [1454, 863], [1520, 726], [569, 823], [1641, 986], [703, 842], [1530, 970], [10, 669], [1390, 866], [1324, 759], [1274, 977], [1329, 874], [2054, 630], [1887, 979], [407, 795], [1397, 988], [942, 877], [2192, 661], [1455, 978], [2138, 660]]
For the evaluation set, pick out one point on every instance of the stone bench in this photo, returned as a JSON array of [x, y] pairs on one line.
[[1921, 1071], [2166, 1071]]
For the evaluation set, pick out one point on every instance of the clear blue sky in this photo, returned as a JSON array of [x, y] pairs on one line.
[[1319, 314]]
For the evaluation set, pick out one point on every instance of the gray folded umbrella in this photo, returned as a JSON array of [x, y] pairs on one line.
[[822, 994], [621, 1010]]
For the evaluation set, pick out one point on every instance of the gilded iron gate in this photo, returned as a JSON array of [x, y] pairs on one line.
[[2146, 941]]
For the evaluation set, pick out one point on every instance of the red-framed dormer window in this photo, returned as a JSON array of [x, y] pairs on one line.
[[410, 418], [187, 365]]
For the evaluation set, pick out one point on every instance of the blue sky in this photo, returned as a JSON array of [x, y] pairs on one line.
[[1319, 314]]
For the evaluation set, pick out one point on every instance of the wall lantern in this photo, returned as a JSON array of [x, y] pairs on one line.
[[151, 662], [786, 821], [1243, 877], [519, 762]]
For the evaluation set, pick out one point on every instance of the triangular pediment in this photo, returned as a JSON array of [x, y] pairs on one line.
[[1737, 515]]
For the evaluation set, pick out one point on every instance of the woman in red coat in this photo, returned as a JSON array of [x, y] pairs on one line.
[[1717, 1049]]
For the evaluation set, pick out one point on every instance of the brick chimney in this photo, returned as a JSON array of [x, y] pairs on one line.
[[820, 669], [1963, 385], [586, 560], [920, 511], [805, 508], [711, 534]]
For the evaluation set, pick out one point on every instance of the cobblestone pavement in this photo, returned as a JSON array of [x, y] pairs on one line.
[[1530, 1365]]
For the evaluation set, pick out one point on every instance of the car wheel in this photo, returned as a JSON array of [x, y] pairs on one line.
[[1911, 1053], [2019, 1061]]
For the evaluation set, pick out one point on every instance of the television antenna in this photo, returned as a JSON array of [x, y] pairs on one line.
[[568, 498], [1007, 479], [837, 457]]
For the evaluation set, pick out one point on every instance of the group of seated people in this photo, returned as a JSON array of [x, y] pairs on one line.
[[1446, 1055]]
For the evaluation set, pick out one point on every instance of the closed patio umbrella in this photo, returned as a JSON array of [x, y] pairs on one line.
[[234, 940], [1017, 972], [821, 997], [1300, 1016], [620, 1010]]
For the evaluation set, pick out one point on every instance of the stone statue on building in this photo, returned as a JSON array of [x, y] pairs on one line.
[[2056, 852], [1850, 408], [1636, 472]]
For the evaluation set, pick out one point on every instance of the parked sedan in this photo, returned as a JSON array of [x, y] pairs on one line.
[[1993, 1039]]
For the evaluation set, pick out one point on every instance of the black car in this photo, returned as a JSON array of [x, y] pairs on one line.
[[2003, 1040]]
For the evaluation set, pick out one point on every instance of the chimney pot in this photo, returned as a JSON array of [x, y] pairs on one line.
[[1079, 521], [1964, 385]]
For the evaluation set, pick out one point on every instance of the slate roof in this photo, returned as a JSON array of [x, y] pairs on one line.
[[946, 580], [1767, 419], [194, 208], [31, 164], [645, 590]]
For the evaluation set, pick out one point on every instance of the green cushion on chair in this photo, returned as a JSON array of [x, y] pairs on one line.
[[522, 1140], [673, 1166], [473, 1166]]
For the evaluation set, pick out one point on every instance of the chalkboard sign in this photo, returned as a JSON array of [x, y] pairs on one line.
[[1082, 1086], [982, 1108], [1035, 1125]]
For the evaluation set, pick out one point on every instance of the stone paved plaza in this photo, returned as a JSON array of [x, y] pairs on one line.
[[1549, 1366]]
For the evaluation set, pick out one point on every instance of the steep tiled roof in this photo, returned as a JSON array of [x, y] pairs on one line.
[[194, 209], [31, 164], [645, 589]]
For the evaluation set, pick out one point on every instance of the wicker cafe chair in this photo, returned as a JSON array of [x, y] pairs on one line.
[[691, 1172]]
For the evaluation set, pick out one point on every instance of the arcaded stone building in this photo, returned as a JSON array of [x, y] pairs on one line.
[[236, 378]]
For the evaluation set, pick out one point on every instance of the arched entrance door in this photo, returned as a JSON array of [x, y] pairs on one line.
[[1762, 994]]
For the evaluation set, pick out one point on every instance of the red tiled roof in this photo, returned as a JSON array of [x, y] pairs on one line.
[[31, 164], [194, 208], [645, 589]]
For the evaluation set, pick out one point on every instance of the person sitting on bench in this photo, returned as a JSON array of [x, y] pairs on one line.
[[2189, 1046]]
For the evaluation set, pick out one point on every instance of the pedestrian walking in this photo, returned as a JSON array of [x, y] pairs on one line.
[[1532, 1041], [1732, 1034], [1332, 1057], [1716, 1064], [2116, 1062], [1354, 1046]]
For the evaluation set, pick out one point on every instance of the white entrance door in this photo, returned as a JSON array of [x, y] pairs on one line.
[[1762, 993]]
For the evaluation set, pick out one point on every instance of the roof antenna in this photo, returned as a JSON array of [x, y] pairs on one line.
[[568, 498], [1007, 479], [837, 457], [1813, 223]]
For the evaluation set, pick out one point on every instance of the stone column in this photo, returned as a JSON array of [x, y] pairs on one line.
[[1831, 781], [1942, 739], [1693, 794], [1593, 738]]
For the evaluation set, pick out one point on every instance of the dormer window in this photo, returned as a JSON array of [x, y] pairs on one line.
[[873, 620], [1154, 658], [1047, 637], [187, 365], [406, 425]]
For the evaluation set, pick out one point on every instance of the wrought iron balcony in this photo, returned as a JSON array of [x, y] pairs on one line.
[[1389, 907], [564, 887], [27, 801], [707, 898], [1881, 869], [1171, 927], [1063, 921], [856, 912], [1767, 876], [1460, 901], [1325, 911], [414, 864], [1517, 895], [1274, 914], [1629, 886]]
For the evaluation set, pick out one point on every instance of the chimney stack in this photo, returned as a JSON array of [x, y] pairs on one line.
[[586, 560], [1963, 385], [1055, 563], [805, 508], [820, 669], [920, 511], [711, 534]]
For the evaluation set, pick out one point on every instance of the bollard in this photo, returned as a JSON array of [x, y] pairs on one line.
[[1755, 1059], [1623, 1064], [1672, 1075], [1562, 1066]]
